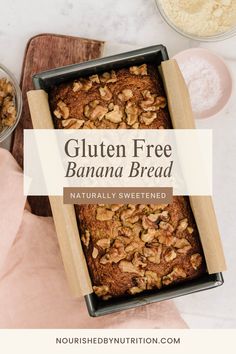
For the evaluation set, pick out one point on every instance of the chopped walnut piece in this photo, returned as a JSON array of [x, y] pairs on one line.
[[86, 238], [182, 225], [105, 93], [128, 267], [148, 117], [152, 102], [86, 84], [153, 217], [99, 113], [139, 260], [104, 243], [94, 78], [183, 245], [164, 225], [95, 253], [7, 108], [196, 260], [72, 123], [101, 290], [94, 110], [147, 223], [62, 110], [135, 125], [132, 246], [104, 214], [155, 257], [108, 77], [122, 125], [167, 240], [190, 230], [176, 273], [89, 125], [77, 86], [131, 111], [115, 207], [115, 254], [138, 70], [135, 290], [153, 280], [125, 214], [148, 236], [114, 116], [125, 95], [170, 255]]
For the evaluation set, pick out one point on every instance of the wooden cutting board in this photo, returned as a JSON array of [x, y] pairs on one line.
[[43, 52]]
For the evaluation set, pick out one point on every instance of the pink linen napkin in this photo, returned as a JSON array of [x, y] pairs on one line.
[[33, 287]]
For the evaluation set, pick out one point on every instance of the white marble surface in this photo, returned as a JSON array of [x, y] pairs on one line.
[[136, 23]]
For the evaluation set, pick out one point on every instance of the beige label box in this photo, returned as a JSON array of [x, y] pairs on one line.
[[118, 195]]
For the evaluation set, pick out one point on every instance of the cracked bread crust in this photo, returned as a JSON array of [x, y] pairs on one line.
[[129, 248]]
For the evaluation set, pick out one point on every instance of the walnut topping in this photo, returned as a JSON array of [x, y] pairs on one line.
[[125, 95], [98, 113], [190, 230], [153, 280], [104, 243], [104, 214], [183, 245], [101, 290], [132, 246], [176, 273], [128, 267], [131, 111], [148, 117], [166, 226], [135, 290], [86, 238], [167, 240], [153, 254], [147, 223], [125, 214], [115, 207], [139, 260], [182, 225], [83, 84], [86, 84], [95, 253], [138, 70], [77, 86], [122, 125], [114, 254], [153, 217], [196, 260], [105, 93], [114, 116], [94, 110], [148, 236], [152, 102], [72, 123], [62, 110], [108, 77], [94, 78], [169, 255]]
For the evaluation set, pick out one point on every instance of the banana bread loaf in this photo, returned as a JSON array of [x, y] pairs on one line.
[[129, 248]]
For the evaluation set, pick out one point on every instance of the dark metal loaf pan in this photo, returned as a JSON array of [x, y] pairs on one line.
[[46, 80]]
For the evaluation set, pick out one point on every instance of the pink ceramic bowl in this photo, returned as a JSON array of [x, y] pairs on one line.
[[221, 75]]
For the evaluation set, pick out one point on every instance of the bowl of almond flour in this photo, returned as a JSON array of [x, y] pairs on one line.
[[204, 20]]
